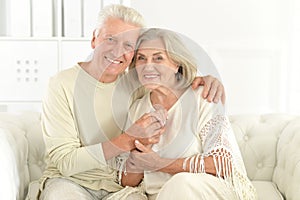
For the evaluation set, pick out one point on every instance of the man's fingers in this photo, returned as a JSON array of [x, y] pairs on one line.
[[146, 120], [197, 81], [223, 97], [153, 129], [218, 94], [159, 117], [153, 117], [208, 81], [205, 91], [160, 114], [213, 95]]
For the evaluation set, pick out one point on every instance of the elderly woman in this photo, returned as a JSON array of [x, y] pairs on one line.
[[197, 156]]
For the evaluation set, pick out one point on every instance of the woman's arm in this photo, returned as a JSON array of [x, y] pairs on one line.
[[185, 165], [146, 159], [130, 176]]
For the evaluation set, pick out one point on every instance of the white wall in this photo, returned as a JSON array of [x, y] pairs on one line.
[[249, 41], [255, 45]]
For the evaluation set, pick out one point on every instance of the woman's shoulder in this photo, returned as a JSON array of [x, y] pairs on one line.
[[140, 106], [204, 104], [142, 102]]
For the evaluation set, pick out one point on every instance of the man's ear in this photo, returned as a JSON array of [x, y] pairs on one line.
[[93, 45]]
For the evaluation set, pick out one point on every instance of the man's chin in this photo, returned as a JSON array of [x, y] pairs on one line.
[[113, 72]]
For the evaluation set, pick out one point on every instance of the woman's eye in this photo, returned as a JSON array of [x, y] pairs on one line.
[[140, 58], [158, 58]]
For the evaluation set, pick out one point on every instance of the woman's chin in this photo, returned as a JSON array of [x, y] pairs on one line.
[[150, 86]]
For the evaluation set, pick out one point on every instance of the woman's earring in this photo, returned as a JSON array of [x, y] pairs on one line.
[[179, 73]]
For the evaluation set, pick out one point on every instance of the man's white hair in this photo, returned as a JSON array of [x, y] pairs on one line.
[[126, 14]]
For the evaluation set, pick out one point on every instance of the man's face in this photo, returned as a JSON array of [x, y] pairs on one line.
[[114, 46]]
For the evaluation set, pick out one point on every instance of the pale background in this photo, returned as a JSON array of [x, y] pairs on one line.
[[255, 45]]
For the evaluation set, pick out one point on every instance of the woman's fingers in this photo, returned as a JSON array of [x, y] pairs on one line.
[[141, 147]]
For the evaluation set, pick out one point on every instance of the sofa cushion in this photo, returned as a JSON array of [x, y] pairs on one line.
[[267, 190], [36, 147], [257, 137], [287, 171]]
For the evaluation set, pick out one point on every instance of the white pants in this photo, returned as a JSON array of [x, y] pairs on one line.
[[64, 189], [192, 186]]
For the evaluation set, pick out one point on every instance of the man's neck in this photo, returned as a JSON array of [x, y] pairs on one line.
[[107, 78], [97, 74]]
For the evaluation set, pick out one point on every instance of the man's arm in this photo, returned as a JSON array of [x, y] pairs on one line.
[[63, 144]]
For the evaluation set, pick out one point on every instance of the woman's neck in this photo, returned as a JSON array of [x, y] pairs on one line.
[[165, 97]]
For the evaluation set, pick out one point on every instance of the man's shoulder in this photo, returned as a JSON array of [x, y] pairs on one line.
[[66, 74]]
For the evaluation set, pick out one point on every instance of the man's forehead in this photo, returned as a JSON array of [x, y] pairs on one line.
[[130, 35], [115, 26]]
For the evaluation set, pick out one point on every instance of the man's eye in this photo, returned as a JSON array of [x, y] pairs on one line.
[[110, 39], [129, 46]]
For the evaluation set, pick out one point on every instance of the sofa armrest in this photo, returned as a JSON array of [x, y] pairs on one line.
[[13, 169], [287, 171]]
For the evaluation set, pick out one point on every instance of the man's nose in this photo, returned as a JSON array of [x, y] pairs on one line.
[[118, 49]]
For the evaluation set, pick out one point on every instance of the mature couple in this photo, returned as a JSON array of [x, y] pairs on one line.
[[145, 133]]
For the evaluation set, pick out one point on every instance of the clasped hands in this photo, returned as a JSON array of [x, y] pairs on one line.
[[146, 131]]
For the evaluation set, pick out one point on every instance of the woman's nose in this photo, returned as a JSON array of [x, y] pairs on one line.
[[149, 65]]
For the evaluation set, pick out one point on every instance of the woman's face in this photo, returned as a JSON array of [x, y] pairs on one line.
[[153, 66]]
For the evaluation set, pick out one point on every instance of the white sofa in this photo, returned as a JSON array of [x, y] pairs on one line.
[[270, 145]]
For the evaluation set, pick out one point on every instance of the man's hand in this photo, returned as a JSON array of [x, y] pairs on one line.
[[213, 88], [149, 127]]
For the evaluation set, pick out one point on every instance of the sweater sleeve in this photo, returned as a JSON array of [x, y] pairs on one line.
[[61, 135]]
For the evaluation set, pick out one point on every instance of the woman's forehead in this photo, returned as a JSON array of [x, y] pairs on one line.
[[152, 44]]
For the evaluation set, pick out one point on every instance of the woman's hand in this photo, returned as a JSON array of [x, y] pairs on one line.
[[145, 159]]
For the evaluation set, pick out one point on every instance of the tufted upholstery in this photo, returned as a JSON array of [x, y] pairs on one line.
[[269, 145], [270, 148], [27, 147]]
